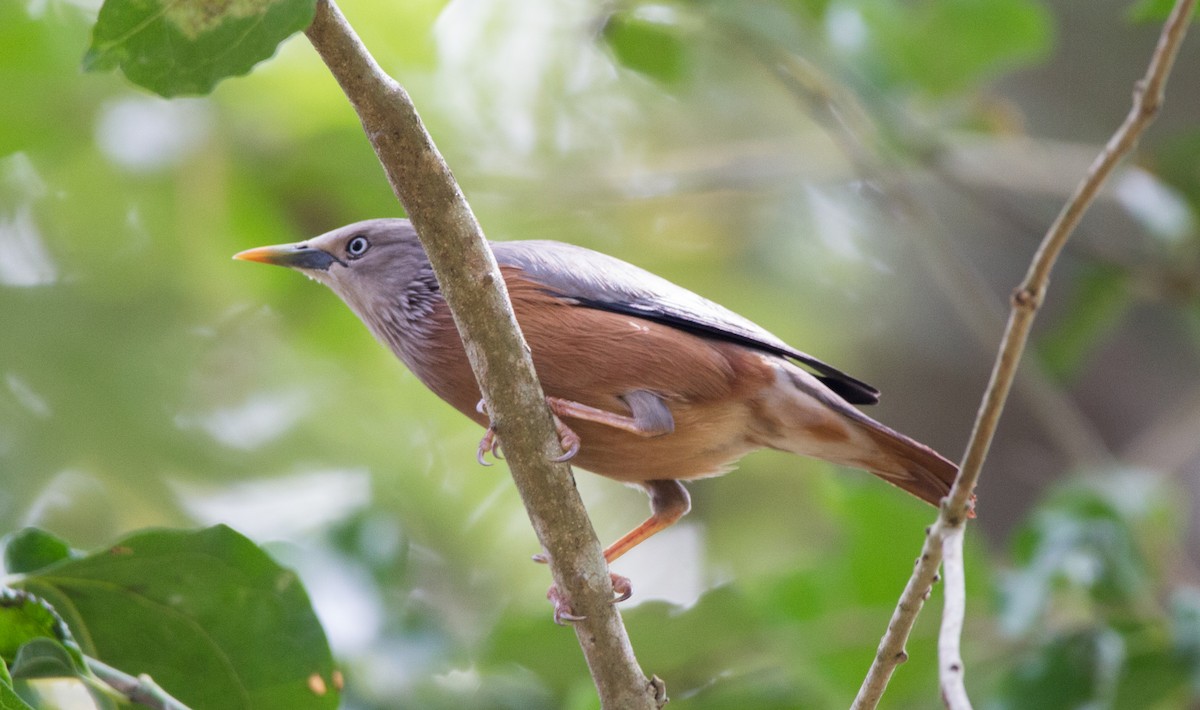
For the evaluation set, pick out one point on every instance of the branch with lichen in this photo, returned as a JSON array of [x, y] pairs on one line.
[[471, 283]]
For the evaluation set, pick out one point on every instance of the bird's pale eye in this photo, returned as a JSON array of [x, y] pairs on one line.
[[357, 246]]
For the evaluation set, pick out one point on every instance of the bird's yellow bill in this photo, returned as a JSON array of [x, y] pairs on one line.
[[264, 255], [295, 256]]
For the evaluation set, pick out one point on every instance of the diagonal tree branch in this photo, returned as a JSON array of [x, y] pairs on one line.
[[470, 280], [947, 530]]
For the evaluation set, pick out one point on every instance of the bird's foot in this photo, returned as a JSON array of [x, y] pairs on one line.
[[562, 607], [622, 587], [489, 442], [567, 438]]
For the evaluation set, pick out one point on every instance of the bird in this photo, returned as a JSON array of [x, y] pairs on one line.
[[649, 383]]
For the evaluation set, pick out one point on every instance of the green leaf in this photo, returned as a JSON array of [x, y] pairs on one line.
[[647, 45], [47, 658], [32, 549], [175, 47], [23, 618], [207, 614]]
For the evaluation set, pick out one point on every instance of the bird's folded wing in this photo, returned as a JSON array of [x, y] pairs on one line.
[[599, 281]]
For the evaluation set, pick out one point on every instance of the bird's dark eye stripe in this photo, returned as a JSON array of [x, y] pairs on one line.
[[357, 246]]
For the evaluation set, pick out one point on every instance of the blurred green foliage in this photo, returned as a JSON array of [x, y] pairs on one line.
[[145, 380]]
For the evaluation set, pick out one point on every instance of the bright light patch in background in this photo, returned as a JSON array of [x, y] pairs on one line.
[[1154, 204], [505, 88], [666, 567], [845, 28], [279, 508], [834, 223], [258, 420], [24, 259], [146, 134], [34, 403], [36, 9]]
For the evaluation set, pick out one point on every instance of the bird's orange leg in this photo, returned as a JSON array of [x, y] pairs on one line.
[[669, 501]]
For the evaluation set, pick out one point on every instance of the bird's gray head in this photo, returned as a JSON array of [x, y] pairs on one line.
[[377, 267]]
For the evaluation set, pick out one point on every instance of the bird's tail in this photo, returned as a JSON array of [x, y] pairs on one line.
[[908, 464], [823, 425]]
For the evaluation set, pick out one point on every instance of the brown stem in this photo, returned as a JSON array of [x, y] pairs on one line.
[[1147, 100], [470, 280]]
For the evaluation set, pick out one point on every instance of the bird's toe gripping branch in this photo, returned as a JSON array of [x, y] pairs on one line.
[[569, 440], [491, 443], [622, 587]]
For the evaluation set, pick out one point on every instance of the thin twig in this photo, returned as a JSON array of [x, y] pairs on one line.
[[471, 283], [1147, 100], [141, 689], [950, 663]]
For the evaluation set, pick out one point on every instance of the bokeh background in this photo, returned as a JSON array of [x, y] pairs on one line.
[[866, 178]]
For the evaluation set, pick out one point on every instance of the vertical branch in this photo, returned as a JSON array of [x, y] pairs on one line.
[[470, 281], [947, 530], [950, 663]]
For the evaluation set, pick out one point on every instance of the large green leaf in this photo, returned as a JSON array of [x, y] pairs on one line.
[[175, 47], [207, 614]]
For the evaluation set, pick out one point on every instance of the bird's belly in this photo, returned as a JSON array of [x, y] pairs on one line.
[[707, 441]]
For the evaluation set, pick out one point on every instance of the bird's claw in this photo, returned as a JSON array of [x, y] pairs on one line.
[[489, 442], [569, 440], [562, 607], [622, 587]]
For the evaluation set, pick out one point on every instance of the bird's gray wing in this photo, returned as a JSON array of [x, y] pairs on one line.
[[599, 281]]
